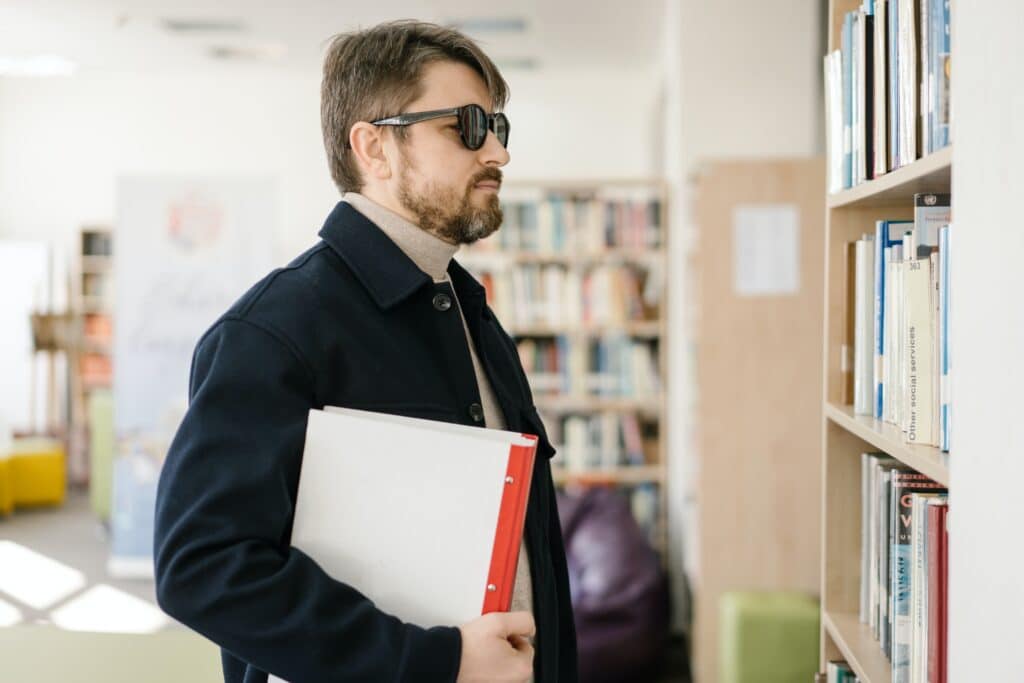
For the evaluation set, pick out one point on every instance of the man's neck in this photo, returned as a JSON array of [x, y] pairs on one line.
[[429, 252], [381, 198]]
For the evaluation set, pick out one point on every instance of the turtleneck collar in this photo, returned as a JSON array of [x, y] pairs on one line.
[[430, 253]]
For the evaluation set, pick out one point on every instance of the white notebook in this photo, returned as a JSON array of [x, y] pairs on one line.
[[425, 518]]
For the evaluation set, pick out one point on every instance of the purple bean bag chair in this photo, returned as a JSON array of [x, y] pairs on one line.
[[619, 589]]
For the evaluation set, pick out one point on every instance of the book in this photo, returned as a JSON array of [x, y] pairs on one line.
[[887, 235], [838, 672], [869, 536], [924, 106], [931, 212], [908, 80], [919, 350], [374, 499], [880, 106], [863, 367], [847, 65], [885, 549], [834, 119], [901, 517], [941, 70], [865, 90], [893, 42], [944, 362], [846, 351], [937, 551], [891, 296], [919, 588]]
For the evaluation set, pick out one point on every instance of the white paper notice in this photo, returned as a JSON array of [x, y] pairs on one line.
[[766, 249]]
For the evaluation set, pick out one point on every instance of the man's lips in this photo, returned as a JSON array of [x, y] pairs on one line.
[[487, 184]]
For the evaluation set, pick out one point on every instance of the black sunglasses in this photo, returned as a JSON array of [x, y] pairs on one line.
[[473, 125]]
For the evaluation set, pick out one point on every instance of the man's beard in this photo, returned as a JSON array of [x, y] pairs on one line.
[[442, 212]]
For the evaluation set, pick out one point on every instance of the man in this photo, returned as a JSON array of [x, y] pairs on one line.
[[376, 316]]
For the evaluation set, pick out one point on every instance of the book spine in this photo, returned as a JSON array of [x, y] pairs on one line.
[[919, 343], [880, 104], [924, 69], [943, 645], [935, 371], [865, 526], [944, 256], [847, 59], [933, 552], [863, 348], [942, 71], [931, 212], [894, 85], [509, 529], [880, 254], [885, 560]]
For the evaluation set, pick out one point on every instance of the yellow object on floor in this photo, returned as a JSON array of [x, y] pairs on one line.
[[6, 495], [37, 472]]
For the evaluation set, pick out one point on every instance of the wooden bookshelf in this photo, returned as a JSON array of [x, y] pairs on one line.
[[929, 174], [850, 214], [888, 438], [552, 225], [646, 329], [92, 298], [857, 646], [627, 474]]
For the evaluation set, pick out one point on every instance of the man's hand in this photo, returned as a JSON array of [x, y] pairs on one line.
[[495, 648]]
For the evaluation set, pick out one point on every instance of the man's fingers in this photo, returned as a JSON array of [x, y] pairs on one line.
[[521, 644], [519, 623]]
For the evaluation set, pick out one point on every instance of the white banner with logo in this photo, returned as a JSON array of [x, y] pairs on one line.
[[184, 250]]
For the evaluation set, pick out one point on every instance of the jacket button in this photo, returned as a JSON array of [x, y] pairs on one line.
[[476, 412], [442, 302]]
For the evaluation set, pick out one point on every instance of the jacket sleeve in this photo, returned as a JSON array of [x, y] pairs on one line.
[[224, 566]]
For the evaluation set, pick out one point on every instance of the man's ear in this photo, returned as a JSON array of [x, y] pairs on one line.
[[368, 147]]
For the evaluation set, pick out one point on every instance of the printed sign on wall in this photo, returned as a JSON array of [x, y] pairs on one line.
[[186, 249]]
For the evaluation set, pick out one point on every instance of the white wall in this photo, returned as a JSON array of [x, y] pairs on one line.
[[64, 141], [743, 80], [987, 320]]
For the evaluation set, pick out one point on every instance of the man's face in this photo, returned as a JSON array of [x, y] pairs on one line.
[[452, 191]]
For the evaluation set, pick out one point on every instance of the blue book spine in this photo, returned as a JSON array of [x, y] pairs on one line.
[[944, 336], [894, 84], [880, 238], [942, 77], [847, 48]]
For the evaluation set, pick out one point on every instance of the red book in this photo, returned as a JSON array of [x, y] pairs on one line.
[[933, 561], [937, 592], [944, 594]]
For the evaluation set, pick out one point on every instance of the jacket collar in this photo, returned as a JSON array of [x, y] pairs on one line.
[[381, 266]]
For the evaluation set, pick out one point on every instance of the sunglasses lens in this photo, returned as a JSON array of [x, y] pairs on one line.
[[473, 121], [501, 129]]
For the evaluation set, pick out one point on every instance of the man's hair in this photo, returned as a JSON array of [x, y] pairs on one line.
[[376, 72]]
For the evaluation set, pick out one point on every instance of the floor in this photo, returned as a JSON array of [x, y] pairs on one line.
[[67, 547], [64, 599]]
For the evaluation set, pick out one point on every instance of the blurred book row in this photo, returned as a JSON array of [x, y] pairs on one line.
[[573, 223], [614, 365], [532, 294]]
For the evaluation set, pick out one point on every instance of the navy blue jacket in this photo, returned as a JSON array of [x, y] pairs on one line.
[[352, 322]]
